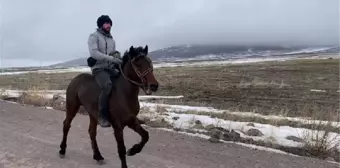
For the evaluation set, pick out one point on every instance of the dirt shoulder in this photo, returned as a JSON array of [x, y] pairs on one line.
[[31, 136]]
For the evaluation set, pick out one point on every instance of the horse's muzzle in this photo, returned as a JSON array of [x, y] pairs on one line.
[[154, 87], [148, 89]]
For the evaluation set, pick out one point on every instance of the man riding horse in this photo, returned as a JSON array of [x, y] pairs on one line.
[[103, 60], [135, 73]]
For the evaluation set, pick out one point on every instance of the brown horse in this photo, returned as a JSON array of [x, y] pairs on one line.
[[136, 72]]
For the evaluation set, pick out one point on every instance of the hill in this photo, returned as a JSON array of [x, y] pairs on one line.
[[218, 52]]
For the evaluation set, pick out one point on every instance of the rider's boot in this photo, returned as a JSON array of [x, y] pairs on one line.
[[103, 110]]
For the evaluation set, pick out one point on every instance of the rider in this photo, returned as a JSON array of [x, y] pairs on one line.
[[102, 48]]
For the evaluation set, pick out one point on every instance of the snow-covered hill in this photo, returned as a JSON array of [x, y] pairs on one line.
[[182, 53]]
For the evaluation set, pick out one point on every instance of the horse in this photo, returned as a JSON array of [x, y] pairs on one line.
[[136, 71]]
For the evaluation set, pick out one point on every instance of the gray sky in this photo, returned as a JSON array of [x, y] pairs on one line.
[[48, 31]]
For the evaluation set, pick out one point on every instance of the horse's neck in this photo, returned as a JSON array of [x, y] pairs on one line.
[[130, 90]]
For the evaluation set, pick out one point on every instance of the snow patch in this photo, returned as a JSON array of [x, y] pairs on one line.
[[159, 97], [270, 132], [50, 71], [317, 90], [180, 108], [238, 143], [188, 121], [273, 134], [49, 94], [183, 108]]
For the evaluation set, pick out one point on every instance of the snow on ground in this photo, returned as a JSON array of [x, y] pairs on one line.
[[270, 133], [85, 69], [146, 97], [317, 90], [323, 91], [273, 134], [48, 94], [49, 71], [238, 143], [152, 111], [182, 108]]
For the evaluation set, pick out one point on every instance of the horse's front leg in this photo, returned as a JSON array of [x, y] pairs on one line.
[[118, 132], [137, 148]]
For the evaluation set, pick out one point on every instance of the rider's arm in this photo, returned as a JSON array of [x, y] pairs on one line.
[[94, 52]]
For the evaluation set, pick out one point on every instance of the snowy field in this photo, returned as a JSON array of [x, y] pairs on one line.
[[178, 118], [49, 94], [181, 64], [275, 134], [177, 64]]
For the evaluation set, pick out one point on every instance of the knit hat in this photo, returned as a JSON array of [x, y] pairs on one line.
[[103, 19]]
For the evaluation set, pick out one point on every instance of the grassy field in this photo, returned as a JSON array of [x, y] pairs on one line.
[[268, 88]]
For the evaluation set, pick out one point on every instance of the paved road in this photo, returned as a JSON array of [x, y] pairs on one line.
[[30, 137]]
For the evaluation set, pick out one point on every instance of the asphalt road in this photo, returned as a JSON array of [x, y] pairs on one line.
[[30, 138]]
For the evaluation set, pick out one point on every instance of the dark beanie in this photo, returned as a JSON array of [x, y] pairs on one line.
[[103, 19]]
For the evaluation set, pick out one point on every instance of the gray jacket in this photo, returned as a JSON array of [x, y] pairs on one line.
[[100, 46]]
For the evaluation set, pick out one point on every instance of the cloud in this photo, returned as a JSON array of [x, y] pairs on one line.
[[58, 30]]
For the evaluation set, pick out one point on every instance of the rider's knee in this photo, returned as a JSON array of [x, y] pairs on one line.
[[107, 88]]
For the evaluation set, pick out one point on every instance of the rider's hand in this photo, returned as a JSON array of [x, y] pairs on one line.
[[115, 54], [115, 60]]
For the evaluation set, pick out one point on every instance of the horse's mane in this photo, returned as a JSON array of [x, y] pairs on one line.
[[127, 56]]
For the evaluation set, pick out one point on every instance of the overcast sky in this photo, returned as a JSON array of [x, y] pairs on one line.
[[48, 31]]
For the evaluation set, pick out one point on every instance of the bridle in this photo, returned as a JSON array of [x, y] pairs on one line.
[[140, 75]]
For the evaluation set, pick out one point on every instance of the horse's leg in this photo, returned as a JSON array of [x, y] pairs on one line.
[[135, 125], [71, 111], [119, 135], [93, 133]]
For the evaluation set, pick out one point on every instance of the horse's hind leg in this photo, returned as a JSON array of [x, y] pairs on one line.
[[93, 133], [71, 111], [137, 148]]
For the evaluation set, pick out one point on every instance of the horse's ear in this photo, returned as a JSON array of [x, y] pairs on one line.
[[146, 48], [131, 49]]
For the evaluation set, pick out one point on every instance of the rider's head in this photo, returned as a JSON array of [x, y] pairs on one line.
[[104, 22]]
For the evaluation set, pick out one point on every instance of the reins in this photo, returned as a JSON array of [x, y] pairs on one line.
[[134, 82], [139, 74]]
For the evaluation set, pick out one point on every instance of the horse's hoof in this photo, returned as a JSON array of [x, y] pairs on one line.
[[100, 162], [130, 152], [98, 157], [134, 150], [61, 156]]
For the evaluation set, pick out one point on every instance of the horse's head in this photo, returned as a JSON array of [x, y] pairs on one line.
[[139, 69]]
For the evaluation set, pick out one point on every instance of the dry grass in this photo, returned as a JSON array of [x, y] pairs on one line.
[[39, 81], [33, 99], [266, 88], [323, 141], [256, 82]]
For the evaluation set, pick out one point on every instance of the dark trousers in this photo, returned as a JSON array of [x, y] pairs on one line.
[[103, 80]]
